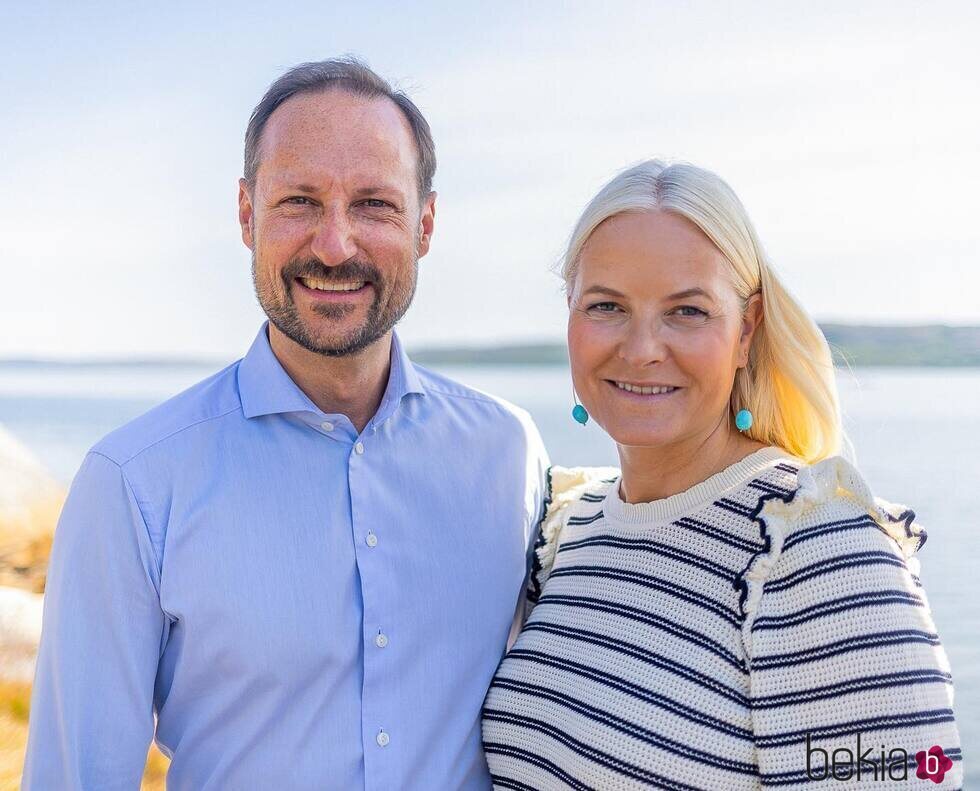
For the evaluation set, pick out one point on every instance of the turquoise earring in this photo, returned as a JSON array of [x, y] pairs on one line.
[[743, 420], [579, 412]]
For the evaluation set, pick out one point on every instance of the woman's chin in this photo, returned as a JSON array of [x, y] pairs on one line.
[[642, 436]]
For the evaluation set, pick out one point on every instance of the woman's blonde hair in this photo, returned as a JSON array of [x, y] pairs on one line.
[[788, 384]]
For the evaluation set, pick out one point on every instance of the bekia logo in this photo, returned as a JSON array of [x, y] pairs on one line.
[[932, 764], [857, 764]]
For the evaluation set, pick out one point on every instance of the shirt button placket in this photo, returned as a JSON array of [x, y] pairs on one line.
[[367, 572]]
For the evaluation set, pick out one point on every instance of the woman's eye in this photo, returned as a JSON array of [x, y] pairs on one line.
[[604, 307], [693, 311]]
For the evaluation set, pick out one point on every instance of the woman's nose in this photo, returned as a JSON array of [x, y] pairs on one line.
[[643, 344], [333, 240]]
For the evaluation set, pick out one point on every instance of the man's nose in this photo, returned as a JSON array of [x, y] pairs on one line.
[[643, 343], [333, 240]]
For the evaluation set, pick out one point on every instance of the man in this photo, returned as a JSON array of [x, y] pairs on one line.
[[307, 565]]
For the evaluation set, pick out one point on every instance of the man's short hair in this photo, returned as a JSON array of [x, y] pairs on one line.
[[351, 75]]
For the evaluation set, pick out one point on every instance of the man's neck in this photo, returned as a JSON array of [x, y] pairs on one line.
[[352, 385], [655, 473]]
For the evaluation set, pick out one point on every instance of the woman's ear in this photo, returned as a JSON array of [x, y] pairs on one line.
[[752, 317]]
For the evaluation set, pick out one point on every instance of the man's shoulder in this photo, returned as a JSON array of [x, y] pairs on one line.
[[205, 401], [464, 397]]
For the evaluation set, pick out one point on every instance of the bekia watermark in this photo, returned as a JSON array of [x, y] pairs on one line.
[[874, 763]]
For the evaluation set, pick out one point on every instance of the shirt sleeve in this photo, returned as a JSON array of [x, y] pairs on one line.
[[846, 667], [91, 718], [538, 494]]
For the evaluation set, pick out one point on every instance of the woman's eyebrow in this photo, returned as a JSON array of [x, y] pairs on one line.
[[691, 292], [688, 292], [603, 290]]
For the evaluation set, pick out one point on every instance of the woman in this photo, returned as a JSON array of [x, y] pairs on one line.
[[736, 610]]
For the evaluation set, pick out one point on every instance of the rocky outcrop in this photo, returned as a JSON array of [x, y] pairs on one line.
[[30, 501]]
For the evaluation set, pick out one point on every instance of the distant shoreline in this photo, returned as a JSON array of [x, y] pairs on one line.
[[927, 346]]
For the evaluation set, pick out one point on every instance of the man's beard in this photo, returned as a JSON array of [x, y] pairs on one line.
[[383, 313]]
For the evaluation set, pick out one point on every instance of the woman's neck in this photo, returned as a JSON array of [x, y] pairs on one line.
[[653, 473]]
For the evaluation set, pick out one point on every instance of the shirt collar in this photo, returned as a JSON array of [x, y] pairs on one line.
[[266, 389]]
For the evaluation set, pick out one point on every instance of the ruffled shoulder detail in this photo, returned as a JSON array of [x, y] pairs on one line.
[[566, 487], [816, 484]]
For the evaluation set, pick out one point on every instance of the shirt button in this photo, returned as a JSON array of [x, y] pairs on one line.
[[381, 640], [371, 540], [359, 448], [326, 425], [382, 739]]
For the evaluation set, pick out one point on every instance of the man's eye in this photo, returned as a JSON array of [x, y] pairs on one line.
[[375, 203], [298, 200]]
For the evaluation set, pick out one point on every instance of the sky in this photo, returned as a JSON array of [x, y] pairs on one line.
[[851, 131]]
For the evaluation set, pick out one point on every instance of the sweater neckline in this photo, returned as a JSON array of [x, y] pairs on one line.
[[698, 496]]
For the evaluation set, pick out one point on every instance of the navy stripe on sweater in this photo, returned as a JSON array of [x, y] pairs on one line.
[[859, 642], [873, 557], [837, 526], [834, 606], [653, 583], [499, 781], [902, 678], [689, 713], [736, 508], [641, 654], [710, 531], [912, 719], [584, 520], [624, 726], [535, 760], [657, 547], [642, 616], [597, 756]]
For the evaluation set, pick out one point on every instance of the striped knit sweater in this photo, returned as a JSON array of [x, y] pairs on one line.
[[729, 637]]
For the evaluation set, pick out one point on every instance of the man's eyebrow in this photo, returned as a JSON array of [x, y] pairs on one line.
[[299, 188], [363, 192]]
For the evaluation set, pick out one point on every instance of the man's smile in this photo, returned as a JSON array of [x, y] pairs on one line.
[[334, 290]]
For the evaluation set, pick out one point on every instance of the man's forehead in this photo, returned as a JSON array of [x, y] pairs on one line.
[[335, 129]]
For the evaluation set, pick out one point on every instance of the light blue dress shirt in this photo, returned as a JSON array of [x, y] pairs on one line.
[[299, 606]]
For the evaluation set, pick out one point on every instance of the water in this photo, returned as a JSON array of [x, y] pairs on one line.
[[916, 432]]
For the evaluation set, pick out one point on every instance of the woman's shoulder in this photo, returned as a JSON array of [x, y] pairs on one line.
[[570, 486], [833, 493], [568, 489], [829, 525]]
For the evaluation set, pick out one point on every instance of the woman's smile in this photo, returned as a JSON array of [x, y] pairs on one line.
[[642, 392]]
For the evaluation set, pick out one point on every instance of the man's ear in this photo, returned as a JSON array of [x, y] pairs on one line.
[[246, 214], [427, 218], [752, 318]]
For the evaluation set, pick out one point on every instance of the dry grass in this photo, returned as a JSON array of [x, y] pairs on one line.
[[14, 707], [25, 543]]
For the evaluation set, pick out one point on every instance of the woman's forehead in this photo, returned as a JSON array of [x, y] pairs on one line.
[[640, 253]]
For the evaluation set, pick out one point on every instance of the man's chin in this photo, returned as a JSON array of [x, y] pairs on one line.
[[334, 342]]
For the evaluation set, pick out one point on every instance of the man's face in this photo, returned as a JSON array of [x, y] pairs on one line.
[[334, 221]]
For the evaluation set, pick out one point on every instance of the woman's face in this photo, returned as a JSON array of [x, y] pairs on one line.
[[652, 307]]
